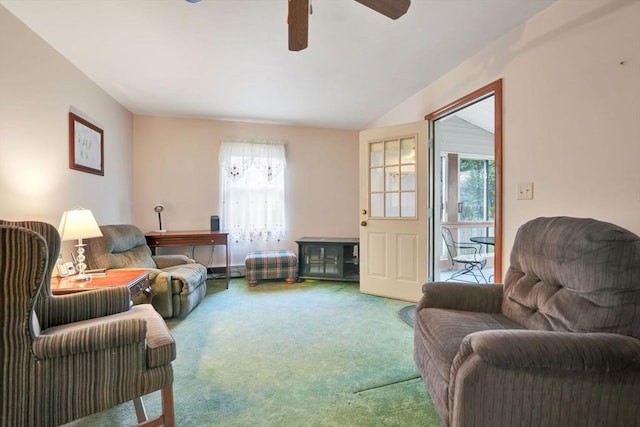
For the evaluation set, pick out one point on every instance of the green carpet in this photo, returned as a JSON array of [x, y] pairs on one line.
[[315, 353]]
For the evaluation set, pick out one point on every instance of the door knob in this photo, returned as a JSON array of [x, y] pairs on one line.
[[363, 223], [363, 211]]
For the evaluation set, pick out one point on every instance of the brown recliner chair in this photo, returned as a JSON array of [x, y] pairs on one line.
[[558, 344], [68, 356], [178, 282]]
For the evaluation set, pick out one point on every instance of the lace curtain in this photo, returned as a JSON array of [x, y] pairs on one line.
[[252, 190]]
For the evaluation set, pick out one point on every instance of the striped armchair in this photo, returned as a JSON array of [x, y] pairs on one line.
[[65, 357]]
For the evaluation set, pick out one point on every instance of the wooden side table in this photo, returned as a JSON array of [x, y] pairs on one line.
[[137, 280]]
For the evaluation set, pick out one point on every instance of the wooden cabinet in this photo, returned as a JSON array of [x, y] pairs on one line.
[[331, 258]]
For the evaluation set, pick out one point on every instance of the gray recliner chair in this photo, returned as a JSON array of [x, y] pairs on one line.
[[558, 344], [178, 282]]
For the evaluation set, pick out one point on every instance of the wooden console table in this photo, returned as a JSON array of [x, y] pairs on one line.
[[137, 280], [190, 238]]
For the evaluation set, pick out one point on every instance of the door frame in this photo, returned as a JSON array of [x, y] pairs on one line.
[[494, 88]]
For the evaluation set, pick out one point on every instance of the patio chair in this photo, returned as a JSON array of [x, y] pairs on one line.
[[466, 254]]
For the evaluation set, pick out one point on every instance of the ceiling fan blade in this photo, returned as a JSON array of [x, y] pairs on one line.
[[393, 9], [298, 24]]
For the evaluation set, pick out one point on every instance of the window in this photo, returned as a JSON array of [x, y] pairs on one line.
[[468, 195], [252, 191], [477, 178], [468, 188]]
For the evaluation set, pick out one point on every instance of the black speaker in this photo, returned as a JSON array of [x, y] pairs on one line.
[[215, 223]]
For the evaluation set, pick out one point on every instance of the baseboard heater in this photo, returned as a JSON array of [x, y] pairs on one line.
[[221, 271]]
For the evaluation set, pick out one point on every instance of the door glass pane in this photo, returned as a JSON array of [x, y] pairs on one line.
[[376, 154], [408, 150], [392, 178], [392, 152], [408, 205], [392, 205], [408, 178], [376, 180], [377, 205]]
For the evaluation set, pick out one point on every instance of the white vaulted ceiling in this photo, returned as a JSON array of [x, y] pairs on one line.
[[228, 59]]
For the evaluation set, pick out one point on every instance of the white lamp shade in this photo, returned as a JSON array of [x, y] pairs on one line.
[[78, 224]]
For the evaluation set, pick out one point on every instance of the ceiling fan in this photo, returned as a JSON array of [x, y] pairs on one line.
[[298, 19]]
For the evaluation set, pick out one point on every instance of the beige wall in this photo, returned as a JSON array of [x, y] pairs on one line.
[[175, 159], [177, 164], [571, 127], [571, 111], [38, 88]]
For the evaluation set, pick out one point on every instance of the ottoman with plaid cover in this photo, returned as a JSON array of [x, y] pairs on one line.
[[271, 265]]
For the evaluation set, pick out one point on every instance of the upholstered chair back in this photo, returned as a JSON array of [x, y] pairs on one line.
[[576, 275], [42, 316], [52, 239], [23, 268], [121, 246]]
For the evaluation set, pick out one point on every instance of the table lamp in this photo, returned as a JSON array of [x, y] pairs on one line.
[[158, 208], [79, 224]]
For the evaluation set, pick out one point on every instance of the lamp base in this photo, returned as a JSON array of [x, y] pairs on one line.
[[159, 231]]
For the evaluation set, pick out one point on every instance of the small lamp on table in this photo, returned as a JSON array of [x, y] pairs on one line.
[[79, 224]]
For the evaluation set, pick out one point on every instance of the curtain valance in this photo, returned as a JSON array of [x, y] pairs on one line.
[[268, 158]]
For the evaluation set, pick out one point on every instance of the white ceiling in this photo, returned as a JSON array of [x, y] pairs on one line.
[[228, 59]]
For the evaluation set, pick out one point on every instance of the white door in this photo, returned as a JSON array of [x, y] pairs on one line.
[[393, 198]]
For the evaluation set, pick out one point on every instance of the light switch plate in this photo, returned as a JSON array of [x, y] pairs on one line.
[[525, 191]]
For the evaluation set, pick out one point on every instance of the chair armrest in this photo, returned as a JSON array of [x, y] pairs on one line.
[[549, 350], [462, 296], [164, 261], [506, 373], [71, 339], [62, 309]]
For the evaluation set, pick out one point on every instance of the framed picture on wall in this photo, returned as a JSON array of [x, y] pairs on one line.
[[86, 146]]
